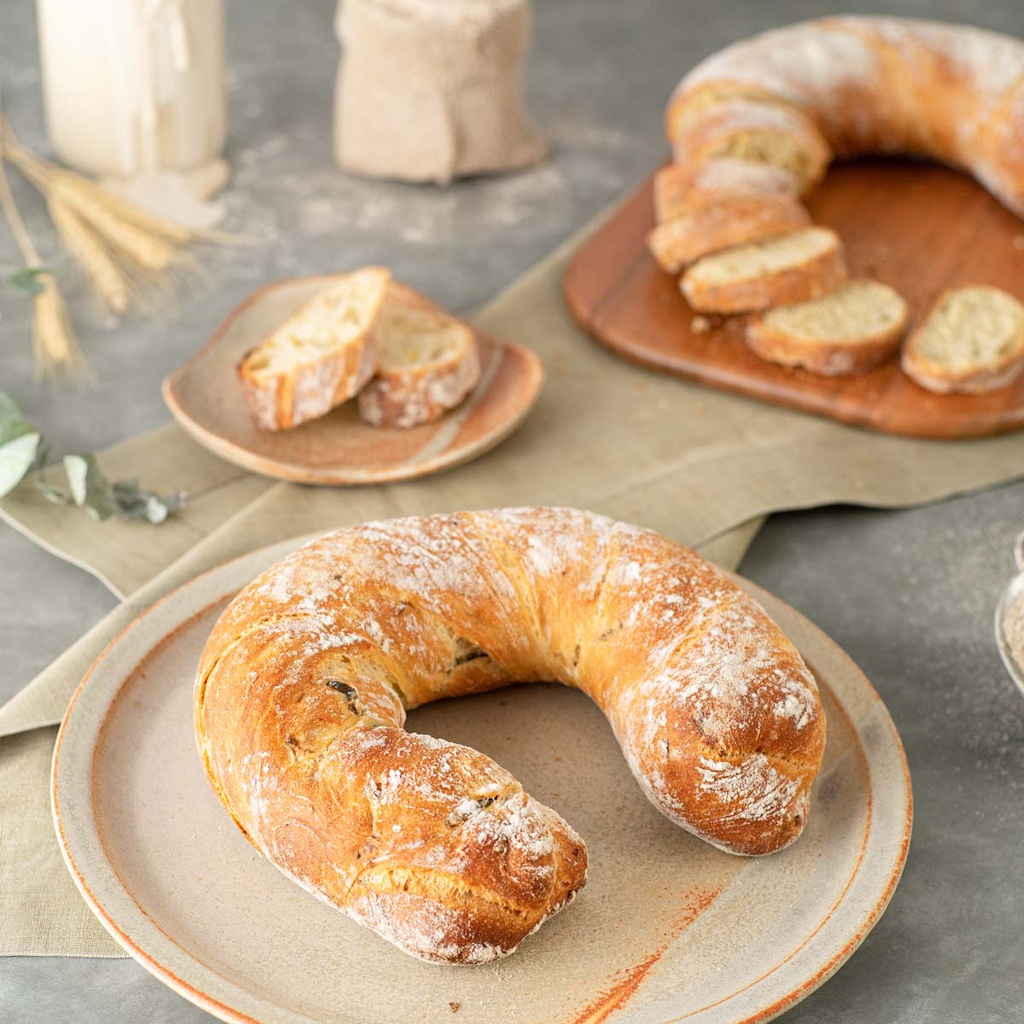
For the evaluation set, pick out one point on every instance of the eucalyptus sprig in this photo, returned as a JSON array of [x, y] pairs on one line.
[[22, 448], [28, 281]]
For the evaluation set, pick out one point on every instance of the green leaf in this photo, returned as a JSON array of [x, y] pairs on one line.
[[28, 280], [9, 411], [43, 455], [128, 488], [134, 502], [16, 457], [11, 430], [54, 494], [159, 508], [91, 490], [89, 487]]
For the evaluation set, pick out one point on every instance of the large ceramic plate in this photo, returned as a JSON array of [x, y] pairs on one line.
[[667, 930], [206, 399]]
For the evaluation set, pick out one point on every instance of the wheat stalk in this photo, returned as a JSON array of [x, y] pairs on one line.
[[149, 250], [54, 345], [44, 174], [129, 255], [109, 281]]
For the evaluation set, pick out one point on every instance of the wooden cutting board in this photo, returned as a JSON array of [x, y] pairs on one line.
[[918, 227]]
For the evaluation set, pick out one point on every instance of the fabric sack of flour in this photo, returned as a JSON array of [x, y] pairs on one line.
[[431, 90]]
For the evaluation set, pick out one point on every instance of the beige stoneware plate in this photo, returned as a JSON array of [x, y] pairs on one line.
[[667, 929], [205, 397]]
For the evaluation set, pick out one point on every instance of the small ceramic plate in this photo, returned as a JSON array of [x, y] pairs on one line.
[[206, 399], [667, 929]]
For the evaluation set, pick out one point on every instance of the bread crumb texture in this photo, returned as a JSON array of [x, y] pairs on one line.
[[854, 312], [971, 328]]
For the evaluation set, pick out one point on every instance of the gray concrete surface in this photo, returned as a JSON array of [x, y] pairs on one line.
[[909, 594]]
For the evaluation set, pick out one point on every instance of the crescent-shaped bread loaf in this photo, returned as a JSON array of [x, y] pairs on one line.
[[303, 686], [867, 85]]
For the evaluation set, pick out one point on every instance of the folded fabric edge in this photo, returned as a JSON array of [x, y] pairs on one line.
[[60, 553]]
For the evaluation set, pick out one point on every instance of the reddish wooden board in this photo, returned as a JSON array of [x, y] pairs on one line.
[[918, 227]]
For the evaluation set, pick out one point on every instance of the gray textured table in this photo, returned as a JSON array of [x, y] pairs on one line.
[[909, 595]]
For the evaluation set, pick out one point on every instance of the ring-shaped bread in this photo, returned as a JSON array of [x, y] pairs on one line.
[[303, 685], [869, 85]]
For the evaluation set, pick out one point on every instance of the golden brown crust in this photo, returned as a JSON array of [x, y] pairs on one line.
[[709, 229], [303, 685], [678, 190], [283, 400], [935, 375], [286, 400], [816, 276], [874, 84], [829, 359]]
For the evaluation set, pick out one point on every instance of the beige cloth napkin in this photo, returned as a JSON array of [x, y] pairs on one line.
[[698, 465]]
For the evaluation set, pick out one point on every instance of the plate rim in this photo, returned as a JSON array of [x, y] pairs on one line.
[[230, 1014], [247, 459]]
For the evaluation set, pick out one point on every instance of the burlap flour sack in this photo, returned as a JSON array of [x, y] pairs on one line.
[[431, 90]]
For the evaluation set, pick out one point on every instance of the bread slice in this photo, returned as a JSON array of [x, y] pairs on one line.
[[847, 331], [320, 356], [678, 190], [429, 363], [768, 133], [723, 224], [778, 272], [972, 340]]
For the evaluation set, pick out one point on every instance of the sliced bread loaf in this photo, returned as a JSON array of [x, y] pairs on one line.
[[972, 340], [677, 190], [721, 225], [778, 272], [429, 362], [320, 356], [768, 133], [847, 331]]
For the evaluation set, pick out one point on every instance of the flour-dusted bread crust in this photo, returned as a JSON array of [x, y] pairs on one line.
[[429, 362], [847, 331], [778, 272], [869, 84], [770, 133], [321, 356], [729, 222], [972, 340], [303, 686], [679, 190]]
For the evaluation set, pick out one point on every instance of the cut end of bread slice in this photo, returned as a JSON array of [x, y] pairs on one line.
[[779, 271], [847, 331], [972, 340], [429, 362], [320, 356], [330, 320], [414, 333], [722, 225], [770, 133]]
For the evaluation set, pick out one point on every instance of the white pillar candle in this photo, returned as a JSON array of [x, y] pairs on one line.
[[134, 87]]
